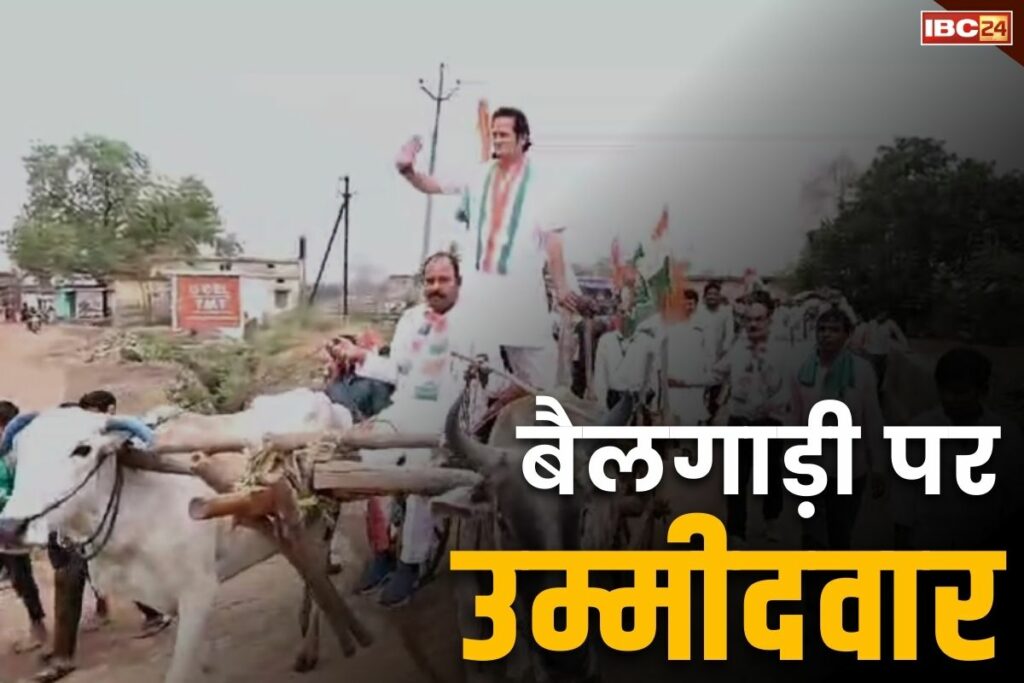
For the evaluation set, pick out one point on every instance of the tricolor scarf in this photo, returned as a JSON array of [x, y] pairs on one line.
[[433, 364], [838, 378], [513, 221]]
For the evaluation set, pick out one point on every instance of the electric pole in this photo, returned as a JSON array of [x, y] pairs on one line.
[[439, 97], [344, 294], [342, 214]]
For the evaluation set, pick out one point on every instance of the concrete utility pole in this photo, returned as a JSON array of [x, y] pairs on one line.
[[439, 97]]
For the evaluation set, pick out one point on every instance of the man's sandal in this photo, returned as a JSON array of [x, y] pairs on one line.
[[152, 628], [54, 673], [25, 646]]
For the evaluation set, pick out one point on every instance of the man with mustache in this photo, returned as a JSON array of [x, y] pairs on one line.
[[427, 381], [833, 371]]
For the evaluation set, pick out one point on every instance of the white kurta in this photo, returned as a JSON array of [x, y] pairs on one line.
[[427, 379], [506, 303], [621, 362], [718, 326], [862, 399], [689, 361], [428, 382], [881, 337]]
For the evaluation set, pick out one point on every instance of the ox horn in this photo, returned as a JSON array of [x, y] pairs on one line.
[[480, 456], [134, 427], [12, 430]]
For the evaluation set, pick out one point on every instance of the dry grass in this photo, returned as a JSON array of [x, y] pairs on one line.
[[220, 376]]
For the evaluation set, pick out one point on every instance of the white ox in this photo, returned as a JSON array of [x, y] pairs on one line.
[[155, 554]]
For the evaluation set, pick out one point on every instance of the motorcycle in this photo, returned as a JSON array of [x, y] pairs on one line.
[[34, 324]]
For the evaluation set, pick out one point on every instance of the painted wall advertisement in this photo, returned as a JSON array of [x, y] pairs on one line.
[[88, 305], [207, 302]]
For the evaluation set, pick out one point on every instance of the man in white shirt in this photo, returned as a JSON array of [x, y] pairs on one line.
[[717, 320], [756, 372], [955, 520], [834, 372], [427, 382], [508, 244], [687, 360], [879, 337], [626, 358], [782, 325]]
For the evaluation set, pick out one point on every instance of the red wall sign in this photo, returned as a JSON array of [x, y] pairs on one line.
[[206, 302]]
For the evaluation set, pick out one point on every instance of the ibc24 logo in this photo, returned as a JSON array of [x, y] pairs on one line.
[[966, 28]]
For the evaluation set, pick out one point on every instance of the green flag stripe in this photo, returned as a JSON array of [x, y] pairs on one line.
[[513, 228], [517, 208], [483, 214]]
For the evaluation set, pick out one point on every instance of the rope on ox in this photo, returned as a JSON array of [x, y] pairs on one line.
[[297, 467], [101, 535]]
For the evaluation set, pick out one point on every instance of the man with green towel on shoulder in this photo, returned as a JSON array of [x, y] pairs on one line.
[[834, 372]]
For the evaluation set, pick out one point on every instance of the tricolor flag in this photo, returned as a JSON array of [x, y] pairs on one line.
[[674, 305], [662, 227], [656, 268], [637, 275], [483, 127], [618, 274]]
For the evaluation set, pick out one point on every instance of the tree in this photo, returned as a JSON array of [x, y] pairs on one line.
[[934, 238], [95, 208]]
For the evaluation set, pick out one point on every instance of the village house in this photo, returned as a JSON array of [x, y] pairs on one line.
[[81, 299], [248, 288]]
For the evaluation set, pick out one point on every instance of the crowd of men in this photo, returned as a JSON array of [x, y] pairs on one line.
[[754, 361]]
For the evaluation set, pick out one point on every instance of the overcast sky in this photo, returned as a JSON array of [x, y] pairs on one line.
[[718, 110]]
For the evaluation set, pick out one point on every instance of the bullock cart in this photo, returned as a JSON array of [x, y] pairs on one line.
[[290, 490]]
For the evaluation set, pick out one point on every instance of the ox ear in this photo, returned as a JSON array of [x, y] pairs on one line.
[[12, 430], [132, 426]]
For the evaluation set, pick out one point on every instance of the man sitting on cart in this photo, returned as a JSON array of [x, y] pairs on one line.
[[427, 381], [363, 396]]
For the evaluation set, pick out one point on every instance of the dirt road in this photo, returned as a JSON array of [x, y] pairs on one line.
[[30, 365], [255, 624]]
